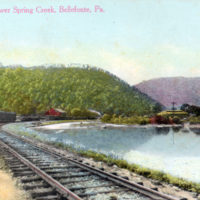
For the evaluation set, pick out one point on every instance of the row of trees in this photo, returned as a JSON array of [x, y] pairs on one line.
[[191, 109], [28, 91]]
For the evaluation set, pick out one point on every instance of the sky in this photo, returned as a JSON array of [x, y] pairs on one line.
[[136, 40]]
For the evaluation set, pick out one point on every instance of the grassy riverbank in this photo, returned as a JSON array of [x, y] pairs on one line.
[[146, 172], [63, 121]]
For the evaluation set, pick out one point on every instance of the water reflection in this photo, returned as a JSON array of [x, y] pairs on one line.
[[162, 130], [176, 129], [195, 130], [167, 149]]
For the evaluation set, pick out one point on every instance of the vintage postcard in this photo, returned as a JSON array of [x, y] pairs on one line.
[[99, 99]]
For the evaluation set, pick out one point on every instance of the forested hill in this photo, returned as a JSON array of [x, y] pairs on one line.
[[33, 90]]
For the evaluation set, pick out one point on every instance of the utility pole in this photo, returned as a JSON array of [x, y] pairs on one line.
[[173, 109], [173, 105]]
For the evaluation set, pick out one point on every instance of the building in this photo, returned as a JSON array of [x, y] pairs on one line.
[[173, 113], [55, 113]]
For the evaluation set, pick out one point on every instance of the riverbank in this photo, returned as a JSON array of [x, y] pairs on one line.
[[86, 124], [87, 157], [110, 136], [162, 149], [53, 125]]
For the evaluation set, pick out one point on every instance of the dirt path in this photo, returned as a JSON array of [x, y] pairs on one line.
[[9, 189]]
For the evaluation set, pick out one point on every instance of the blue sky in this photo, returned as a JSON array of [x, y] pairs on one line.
[[135, 39]]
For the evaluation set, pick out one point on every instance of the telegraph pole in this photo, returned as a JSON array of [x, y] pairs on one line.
[[173, 105], [173, 109]]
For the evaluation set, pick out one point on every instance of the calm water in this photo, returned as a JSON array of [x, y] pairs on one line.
[[175, 152]]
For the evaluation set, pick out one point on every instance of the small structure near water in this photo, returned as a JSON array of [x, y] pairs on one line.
[[96, 113], [168, 117], [55, 113], [7, 116], [173, 113]]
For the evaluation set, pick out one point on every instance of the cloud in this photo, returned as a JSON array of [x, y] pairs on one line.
[[29, 56], [130, 65], [124, 67]]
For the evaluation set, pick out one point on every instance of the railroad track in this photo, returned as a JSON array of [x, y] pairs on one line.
[[48, 175]]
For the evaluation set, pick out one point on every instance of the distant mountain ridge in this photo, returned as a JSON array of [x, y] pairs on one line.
[[173, 89]]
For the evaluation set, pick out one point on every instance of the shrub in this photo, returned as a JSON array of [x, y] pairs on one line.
[[76, 112], [84, 113], [160, 120], [106, 118], [125, 120], [194, 120], [144, 121], [176, 120]]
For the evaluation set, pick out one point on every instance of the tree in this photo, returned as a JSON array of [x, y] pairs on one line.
[[185, 107], [27, 91], [157, 108]]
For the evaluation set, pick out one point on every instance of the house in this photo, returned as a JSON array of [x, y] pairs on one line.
[[97, 114], [173, 113], [55, 113]]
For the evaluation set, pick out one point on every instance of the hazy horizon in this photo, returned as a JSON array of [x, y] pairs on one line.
[[136, 40]]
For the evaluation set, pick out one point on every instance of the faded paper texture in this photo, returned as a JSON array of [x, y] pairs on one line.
[[130, 66]]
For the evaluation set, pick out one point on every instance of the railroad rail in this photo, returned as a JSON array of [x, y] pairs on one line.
[[50, 175]]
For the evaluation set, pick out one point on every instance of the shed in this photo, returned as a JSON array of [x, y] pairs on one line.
[[173, 113], [55, 112], [95, 112]]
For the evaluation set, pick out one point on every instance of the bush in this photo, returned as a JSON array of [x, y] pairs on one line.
[[125, 120], [84, 113], [106, 118], [144, 121], [76, 112], [176, 120], [194, 120], [160, 120]]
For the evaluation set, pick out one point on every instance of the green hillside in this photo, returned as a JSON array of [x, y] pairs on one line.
[[32, 90]]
